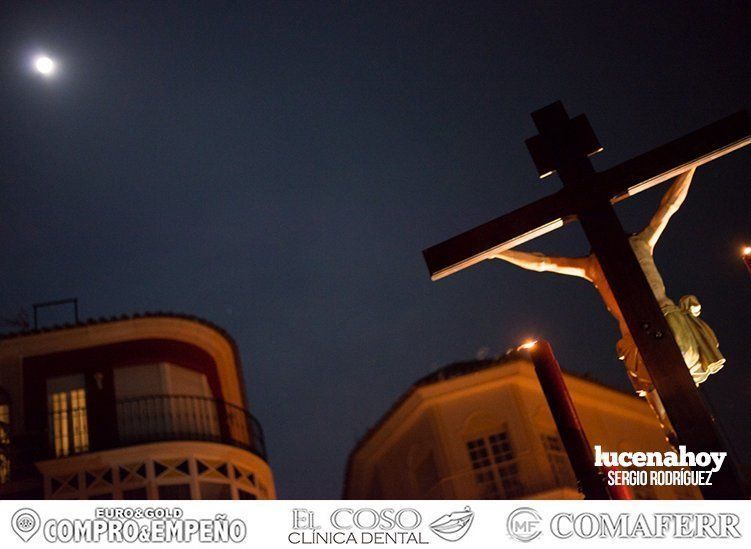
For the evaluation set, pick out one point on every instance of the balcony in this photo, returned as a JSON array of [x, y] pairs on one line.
[[157, 418]]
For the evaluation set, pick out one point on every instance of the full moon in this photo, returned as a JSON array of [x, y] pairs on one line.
[[44, 65]]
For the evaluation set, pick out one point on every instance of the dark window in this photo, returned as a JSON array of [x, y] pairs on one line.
[[478, 453], [214, 490], [135, 493], [559, 462], [242, 494], [174, 491], [495, 466]]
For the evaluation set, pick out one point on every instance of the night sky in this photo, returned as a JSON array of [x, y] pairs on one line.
[[277, 168]]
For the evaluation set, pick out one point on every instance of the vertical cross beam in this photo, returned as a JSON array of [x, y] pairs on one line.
[[564, 146]]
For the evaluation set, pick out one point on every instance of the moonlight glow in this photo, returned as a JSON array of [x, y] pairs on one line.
[[44, 65]]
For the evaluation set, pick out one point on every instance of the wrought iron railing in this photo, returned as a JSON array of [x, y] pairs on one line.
[[159, 418]]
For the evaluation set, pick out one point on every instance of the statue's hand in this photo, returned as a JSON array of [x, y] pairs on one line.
[[690, 304]]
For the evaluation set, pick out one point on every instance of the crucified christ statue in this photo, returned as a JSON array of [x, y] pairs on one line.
[[695, 339]]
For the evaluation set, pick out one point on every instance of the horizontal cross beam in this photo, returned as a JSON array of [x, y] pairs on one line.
[[617, 183], [508, 231], [676, 157]]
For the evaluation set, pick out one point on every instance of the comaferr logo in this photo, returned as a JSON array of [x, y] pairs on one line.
[[657, 525]]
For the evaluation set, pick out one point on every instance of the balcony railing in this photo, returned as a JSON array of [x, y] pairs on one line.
[[159, 418]]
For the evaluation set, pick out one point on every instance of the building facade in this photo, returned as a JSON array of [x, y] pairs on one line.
[[148, 407], [483, 430]]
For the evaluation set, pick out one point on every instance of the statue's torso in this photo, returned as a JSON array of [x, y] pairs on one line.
[[644, 255]]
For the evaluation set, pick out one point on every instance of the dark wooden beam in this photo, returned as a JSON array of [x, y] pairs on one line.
[[502, 233], [673, 158]]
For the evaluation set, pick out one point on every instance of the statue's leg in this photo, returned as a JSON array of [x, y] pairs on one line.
[[656, 404], [643, 386]]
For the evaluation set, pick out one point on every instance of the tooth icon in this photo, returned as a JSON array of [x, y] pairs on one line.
[[452, 527], [25, 523]]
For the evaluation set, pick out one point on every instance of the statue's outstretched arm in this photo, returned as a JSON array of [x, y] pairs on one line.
[[571, 266], [670, 204]]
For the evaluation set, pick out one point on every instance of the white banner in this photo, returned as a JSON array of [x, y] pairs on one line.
[[300, 523]]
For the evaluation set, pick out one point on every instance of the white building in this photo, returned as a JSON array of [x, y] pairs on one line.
[[483, 429], [149, 407]]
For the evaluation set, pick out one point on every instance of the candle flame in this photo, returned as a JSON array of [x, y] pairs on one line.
[[528, 344]]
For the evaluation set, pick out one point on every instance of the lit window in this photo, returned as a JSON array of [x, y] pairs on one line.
[[4, 423], [495, 466], [70, 430]]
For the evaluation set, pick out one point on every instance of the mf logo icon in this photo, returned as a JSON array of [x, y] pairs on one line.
[[524, 524]]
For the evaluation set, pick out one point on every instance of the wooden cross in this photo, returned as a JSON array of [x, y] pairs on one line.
[[564, 145]]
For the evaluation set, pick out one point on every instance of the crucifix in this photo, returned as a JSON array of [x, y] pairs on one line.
[[564, 145]]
